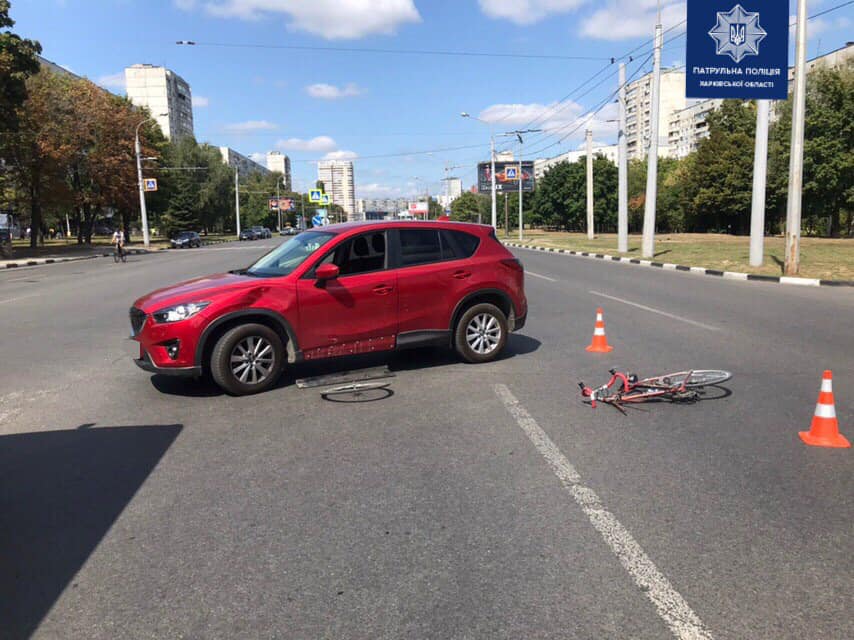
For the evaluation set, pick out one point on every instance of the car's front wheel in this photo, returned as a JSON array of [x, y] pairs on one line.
[[481, 333], [247, 359]]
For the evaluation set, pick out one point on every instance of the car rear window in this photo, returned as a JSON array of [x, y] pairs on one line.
[[458, 244], [419, 246]]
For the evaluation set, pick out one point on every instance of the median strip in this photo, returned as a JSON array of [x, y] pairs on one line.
[[729, 275]]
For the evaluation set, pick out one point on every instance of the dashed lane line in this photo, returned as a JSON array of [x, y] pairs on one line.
[[670, 605], [537, 275], [672, 316]]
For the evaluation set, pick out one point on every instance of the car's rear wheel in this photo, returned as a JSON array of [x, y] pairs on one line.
[[247, 359], [481, 333]]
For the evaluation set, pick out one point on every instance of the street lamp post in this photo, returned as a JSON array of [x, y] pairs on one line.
[[465, 114], [518, 135], [143, 213]]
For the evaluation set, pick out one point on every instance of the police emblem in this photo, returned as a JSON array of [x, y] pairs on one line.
[[737, 33]]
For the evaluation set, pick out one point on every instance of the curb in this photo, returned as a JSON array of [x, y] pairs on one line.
[[105, 254], [727, 275]]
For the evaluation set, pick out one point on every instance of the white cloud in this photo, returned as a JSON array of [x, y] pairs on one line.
[[319, 144], [557, 119], [260, 158], [112, 81], [185, 5], [201, 101], [527, 11], [250, 126], [330, 19], [376, 190], [331, 92], [623, 19], [341, 155]]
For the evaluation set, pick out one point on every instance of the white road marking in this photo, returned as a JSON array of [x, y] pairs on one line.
[[537, 275], [670, 605], [32, 295], [708, 327]]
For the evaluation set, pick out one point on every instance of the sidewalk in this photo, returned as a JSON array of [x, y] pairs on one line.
[[80, 252]]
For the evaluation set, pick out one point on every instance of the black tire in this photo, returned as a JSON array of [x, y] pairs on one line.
[[234, 343], [492, 343]]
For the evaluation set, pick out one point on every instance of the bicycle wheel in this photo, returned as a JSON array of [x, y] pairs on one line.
[[693, 379], [124, 257], [115, 256], [358, 392]]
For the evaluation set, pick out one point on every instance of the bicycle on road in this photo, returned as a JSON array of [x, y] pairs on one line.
[[119, 254], [683, 386]]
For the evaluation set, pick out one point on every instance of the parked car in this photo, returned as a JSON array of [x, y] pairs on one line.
[[288, 231], [262, 232], [248, 234], [186, 240], [344, 289]]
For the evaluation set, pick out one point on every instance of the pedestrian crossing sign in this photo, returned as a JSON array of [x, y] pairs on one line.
[[315, 195], [325, 200], [150, 184]]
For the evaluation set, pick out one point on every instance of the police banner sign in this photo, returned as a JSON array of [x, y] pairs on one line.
[[737, 49]]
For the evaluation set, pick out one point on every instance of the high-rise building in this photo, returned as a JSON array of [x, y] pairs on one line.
[[337, 179], [688, 126], [638, 101], [167, 96], [238, 161], [541, 165], [278, 162]]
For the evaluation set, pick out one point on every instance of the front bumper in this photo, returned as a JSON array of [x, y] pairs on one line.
[[520, 321], [146, 364]]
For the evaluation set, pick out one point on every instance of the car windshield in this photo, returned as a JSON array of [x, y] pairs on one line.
[[289, 255], [185, 234]]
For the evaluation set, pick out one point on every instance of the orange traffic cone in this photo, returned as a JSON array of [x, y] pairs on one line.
[[600, 342], [824, 430]]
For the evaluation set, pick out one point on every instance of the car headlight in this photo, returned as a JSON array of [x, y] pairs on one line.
[[179, 312]]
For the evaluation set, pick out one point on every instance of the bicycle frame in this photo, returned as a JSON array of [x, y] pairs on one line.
[[644, 389]]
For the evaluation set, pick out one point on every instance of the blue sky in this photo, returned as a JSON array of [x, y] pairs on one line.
[[376, 107]]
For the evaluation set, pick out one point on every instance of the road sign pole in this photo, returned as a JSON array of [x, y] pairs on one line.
[[278, 204], [648, 248], [143, 213], [623, 179], [760, 162], [589, 138], [796, 157]]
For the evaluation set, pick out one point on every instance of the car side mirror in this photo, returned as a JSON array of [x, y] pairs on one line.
[[326, 272]]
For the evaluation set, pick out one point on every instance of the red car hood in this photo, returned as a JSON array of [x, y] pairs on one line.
[[195, 290]]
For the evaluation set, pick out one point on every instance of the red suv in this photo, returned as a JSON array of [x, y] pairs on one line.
[[336, 291]]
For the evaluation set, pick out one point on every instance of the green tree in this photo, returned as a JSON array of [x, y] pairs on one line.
[[17, 63], [670, 203], [560, 200], [434, 208], [828, 192], [721, 181], [468, 206]]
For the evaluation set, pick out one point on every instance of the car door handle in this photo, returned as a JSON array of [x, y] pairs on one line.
[[382, 289], [460, 275]]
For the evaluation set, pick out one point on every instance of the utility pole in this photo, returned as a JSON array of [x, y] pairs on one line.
[[506, 218], [142, 211], [589, 137], [796, 156], [623, 177], [237, 200], [648, 247], [492, 176], [760, 163], [278, 203]]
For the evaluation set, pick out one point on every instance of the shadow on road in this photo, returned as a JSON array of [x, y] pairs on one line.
[[60, 492], [424, 358]]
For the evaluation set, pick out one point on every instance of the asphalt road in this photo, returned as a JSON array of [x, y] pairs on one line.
[[476, 502]]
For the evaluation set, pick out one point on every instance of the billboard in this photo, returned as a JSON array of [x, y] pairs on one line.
[[506, 177], [737, 49], [419, 209]]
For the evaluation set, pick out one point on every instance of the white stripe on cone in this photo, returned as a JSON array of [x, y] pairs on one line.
[[598, 331], [825, 411], [827, 385]]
